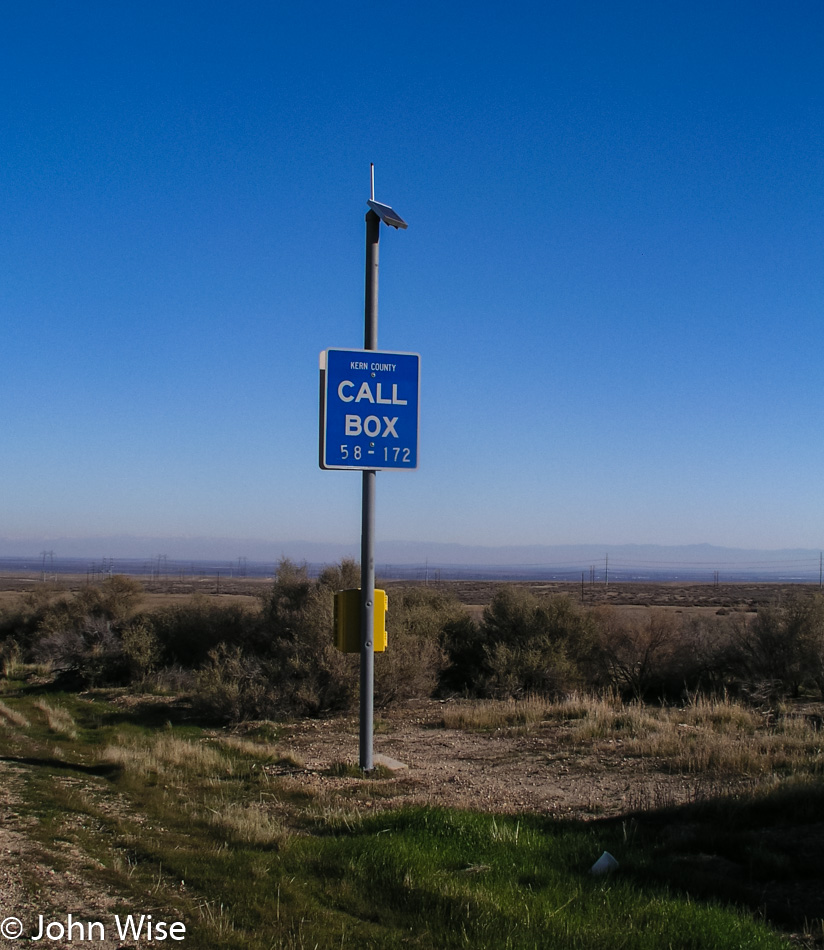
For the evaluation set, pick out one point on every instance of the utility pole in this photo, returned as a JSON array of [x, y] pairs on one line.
[[351, 440], [50, 556], [367, 653], [376, 213]]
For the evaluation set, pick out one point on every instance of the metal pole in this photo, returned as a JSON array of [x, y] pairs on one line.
[[367, 652], [370, 322]]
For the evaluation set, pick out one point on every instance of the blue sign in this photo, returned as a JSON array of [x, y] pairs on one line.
[[369, 409]]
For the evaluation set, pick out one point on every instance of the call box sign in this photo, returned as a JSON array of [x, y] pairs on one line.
[[369, 409]]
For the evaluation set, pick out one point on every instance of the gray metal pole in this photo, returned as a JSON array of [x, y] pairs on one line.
[[367, 652], [370, 322]]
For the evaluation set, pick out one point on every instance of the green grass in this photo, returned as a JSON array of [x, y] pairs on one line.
[[192, 823], [454, 879]]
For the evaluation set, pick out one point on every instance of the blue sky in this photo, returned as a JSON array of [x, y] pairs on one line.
[[613, 270]]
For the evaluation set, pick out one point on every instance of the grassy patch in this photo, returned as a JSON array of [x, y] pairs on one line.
[[12, 717], [58, 718], [456, 879], [169, 756]]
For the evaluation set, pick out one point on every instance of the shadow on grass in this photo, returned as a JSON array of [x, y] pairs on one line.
[[762, 851], [103, 770], [148, 715]]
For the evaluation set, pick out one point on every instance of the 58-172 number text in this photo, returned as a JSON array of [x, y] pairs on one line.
[[394, 454]]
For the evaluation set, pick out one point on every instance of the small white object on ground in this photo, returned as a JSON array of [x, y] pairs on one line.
[[604, 864]]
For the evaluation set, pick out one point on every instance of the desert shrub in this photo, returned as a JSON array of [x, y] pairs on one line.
[[77, 630], [541, 668], [94, 636], [414, 657], [805, 618], [79, 635], [233, 687], [12, 628], [310, 676], [706, 655], [254, 664], [113, 601], [768, 657], [141, 649], [116, 598], [537, 645], [186, 633], [343, 576], [524, 643], [640, 655], [87, 653], [781, 650], [22, 621], [464, 646]]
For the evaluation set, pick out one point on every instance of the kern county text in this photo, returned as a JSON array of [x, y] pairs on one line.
[[70, 929]]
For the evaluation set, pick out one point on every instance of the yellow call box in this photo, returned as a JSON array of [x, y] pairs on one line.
[[347, 620]]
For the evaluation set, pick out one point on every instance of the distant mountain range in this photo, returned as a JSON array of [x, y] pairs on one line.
[[571, 558]]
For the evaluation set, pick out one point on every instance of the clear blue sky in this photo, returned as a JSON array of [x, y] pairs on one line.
[[613, 272]]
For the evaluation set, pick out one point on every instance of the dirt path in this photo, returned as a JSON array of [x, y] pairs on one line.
[[38, 881]]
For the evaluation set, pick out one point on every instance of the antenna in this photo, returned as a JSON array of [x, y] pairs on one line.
[[372, 175]]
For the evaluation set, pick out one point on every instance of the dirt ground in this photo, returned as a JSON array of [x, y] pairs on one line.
[[34, 880], [503, 771]]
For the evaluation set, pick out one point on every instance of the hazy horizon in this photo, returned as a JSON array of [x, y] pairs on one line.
[[403, 552]]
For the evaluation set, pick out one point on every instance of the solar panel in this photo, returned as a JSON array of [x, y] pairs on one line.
[[387, 215]]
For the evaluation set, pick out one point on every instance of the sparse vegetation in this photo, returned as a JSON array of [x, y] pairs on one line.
[[703, 737], [205, 823], [728, 698]]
